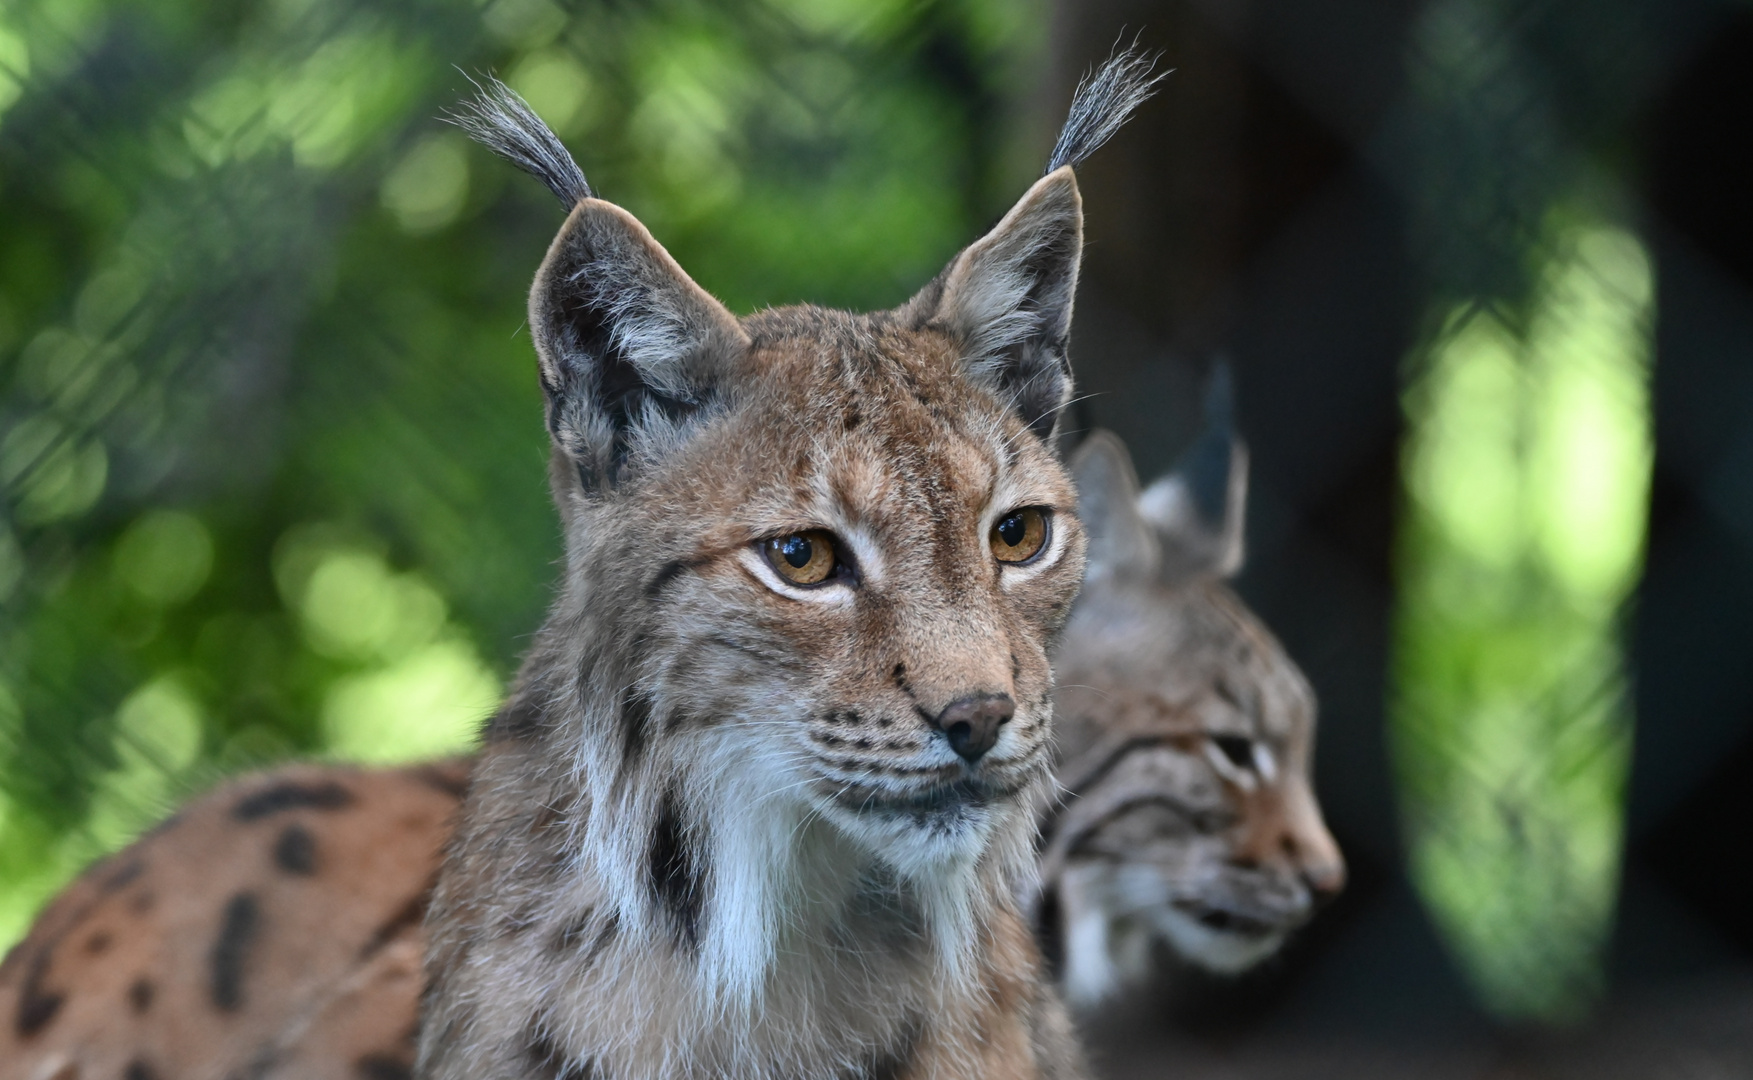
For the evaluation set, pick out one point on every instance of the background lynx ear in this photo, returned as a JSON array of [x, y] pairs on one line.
[[631, 348], [1121, 542], [1006, 300], [1199, 509]]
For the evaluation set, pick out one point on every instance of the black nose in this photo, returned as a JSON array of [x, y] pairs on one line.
[[972, 723]]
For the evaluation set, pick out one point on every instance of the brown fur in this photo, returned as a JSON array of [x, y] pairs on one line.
[[198, 952], [1139, 709]]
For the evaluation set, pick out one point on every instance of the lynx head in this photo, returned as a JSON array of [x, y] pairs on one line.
[[1187, 735], [815, 560]]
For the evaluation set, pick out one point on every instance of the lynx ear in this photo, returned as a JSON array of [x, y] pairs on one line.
[[1121, 542], [1006, 301], [630, 347], [1199, 509]]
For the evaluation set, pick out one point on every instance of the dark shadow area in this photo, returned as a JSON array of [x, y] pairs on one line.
[[1265, 210]]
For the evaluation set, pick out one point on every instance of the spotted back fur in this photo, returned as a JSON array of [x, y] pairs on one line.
[[271, 929], [1187, 735]]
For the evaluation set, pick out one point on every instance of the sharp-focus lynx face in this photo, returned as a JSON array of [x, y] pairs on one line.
[[1187, 735], [844, 620]]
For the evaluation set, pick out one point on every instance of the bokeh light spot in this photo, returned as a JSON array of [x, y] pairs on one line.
[[164, 557], [428, 187]]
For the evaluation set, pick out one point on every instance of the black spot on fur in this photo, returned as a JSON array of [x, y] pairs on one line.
[[36, 1005], [139, 1070], [444, 779], [382, 1067], [238, 928], [675, 882], [548, 1062], [566, 940], [409, 915], [611, 926], [296, 851], [521, 718], [292, 795], [98, 943], [140, 995], [122, 876], [672, 570], [635, 722], [892, 1061]]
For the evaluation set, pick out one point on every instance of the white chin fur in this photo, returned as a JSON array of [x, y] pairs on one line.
[[919, 846], [1113, 915], [1221, 951]]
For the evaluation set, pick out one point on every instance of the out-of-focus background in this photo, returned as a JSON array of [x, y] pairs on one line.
[[271, 458]]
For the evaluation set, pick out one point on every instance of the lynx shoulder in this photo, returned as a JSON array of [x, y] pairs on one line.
[[271, 928], [1186, 737]]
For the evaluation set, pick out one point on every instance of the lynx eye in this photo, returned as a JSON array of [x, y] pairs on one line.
[[1238, 748], [803, 558], [1020, 535]]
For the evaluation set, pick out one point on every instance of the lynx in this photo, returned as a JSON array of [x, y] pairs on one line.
[[1187, 736], [763, 798], [149, 959]]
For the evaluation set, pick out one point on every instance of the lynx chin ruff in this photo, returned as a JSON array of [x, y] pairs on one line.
[[765, 793]]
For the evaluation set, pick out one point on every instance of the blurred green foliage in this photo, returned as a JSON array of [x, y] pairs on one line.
[[271, 457], [1526, 467]]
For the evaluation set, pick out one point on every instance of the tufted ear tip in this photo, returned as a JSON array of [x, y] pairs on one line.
[[1059, 185]]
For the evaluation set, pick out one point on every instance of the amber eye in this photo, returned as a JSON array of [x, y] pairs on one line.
[[1020, 535], [803, 558]]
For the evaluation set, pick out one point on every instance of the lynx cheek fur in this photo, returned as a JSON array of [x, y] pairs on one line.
[[765, 793]]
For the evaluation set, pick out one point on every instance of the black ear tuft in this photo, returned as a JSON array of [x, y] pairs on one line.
[[1198, 510], [497, 118], [1103, 102], [1206, 464], [631, 349]]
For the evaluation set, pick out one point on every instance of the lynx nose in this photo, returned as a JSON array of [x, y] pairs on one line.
[[972, 724]]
